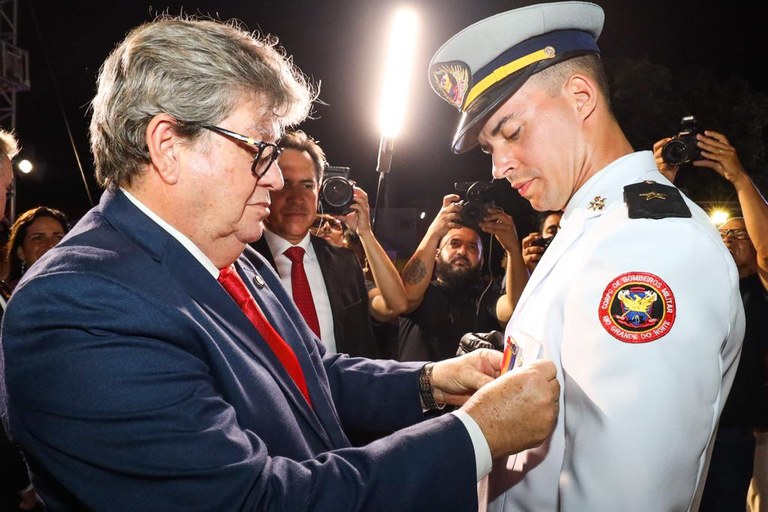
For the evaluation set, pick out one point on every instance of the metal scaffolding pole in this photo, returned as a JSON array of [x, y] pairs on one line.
[[14, 76]]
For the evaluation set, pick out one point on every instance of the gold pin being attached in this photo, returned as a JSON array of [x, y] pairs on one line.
[[653, 195], [597, 204]]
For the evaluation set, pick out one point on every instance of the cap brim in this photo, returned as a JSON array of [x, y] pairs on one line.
[[473, 120]]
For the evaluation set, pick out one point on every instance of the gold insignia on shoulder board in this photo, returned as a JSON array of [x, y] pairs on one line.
[[653, 195]]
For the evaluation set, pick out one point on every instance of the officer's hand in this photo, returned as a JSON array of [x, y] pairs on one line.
[[519, 409]]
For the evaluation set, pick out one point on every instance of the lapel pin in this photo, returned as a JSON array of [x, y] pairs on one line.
[[597, 204]]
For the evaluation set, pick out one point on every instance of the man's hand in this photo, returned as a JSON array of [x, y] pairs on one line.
[[515, 411], [449, 217], [502, 226], [359, 219], [518, 410], [454, 380]]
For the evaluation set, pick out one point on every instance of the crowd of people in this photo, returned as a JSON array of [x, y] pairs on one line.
[[208, 338]]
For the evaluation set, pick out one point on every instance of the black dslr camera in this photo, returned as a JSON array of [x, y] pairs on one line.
[[477, 201], [543, 242], [682, 148], [336, 191]]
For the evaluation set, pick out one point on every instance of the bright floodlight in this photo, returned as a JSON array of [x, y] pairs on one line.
[[402, 42], [718, 216], [25, 166]]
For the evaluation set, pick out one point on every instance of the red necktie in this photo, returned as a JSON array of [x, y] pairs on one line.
[[230, 280], [302, 294]]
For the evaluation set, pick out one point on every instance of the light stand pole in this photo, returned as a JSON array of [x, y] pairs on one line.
[[394, 92], [383, 164]]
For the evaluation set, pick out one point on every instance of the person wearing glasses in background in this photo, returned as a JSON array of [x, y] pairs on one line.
[[341, 308], [391, 291], [745, 415], [330, 228], [154, 361]]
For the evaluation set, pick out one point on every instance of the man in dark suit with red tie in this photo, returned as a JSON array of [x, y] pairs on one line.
[[154, 361], [337, 300]]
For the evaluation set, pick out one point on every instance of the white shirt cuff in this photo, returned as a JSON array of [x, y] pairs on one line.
[[483, 461]]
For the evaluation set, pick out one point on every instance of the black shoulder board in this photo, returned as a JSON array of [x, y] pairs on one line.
[[651, 200]]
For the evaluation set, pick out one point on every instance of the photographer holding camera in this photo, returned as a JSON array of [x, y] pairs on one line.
[[337, 304], [537, 242], [446, 297], [745, 415]]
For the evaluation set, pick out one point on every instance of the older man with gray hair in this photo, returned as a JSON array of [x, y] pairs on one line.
[[153, 361]]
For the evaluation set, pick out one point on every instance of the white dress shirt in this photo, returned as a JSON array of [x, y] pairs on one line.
[[277, 246]]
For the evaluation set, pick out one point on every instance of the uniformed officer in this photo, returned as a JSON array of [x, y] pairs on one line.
[[636, 299]]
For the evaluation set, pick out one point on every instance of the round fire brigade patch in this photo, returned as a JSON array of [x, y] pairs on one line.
[[637, 307]]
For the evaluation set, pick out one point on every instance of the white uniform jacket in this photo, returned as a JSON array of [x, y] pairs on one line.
[[644, 321]]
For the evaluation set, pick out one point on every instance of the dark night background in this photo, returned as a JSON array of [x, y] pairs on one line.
[[665, 59]]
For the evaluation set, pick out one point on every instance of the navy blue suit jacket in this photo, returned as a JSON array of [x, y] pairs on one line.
[[134, 382]]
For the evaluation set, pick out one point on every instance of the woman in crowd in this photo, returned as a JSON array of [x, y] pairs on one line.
[[32, 235]]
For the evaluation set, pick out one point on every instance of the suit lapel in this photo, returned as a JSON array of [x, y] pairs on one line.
[[183, 278], [216, 303], [266, 288]]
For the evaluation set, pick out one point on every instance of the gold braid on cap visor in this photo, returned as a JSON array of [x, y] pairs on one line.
[[504, 71]]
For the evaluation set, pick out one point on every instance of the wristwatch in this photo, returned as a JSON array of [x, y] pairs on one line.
[[425, 389]]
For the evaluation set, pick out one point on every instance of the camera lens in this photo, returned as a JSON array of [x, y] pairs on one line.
[[676, 152], [472, 213], [337, 192]]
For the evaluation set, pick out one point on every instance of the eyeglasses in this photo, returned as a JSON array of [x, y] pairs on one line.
[[266, 152], [333, 223], [737, 234]]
